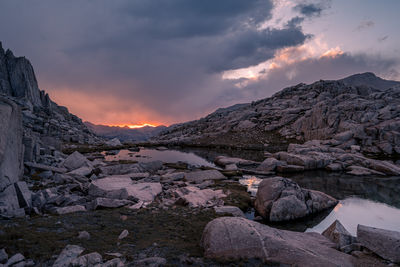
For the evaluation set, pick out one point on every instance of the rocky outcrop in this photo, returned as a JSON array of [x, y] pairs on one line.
[[281, 199], [383, 242], [46, 125], [237, 238], [360, 110], [11, 148]]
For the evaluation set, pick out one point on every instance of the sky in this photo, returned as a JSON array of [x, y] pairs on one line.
[[130, 62]]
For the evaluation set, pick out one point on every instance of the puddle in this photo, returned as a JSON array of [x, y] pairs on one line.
[[148, 155]]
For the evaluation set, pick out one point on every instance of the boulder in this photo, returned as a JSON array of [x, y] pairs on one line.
[[75, 161], [383, 242], [68, 255], [70, 209], [289, 168], [84, 235], [121, 187], [11, 147], [113, 142], [281, 199], [270, 164], [200, 176], [234, 238], [361, 171], [195, 197], [235, 211], [91, 259], [14, 260], [339, 235], [15, 200]]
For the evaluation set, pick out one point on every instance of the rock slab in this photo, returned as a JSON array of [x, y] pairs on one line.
[[238, 238]]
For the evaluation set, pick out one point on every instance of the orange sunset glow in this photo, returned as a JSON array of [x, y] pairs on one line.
[[134, 126]]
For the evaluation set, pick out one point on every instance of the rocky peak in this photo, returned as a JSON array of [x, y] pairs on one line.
[[363, 104]]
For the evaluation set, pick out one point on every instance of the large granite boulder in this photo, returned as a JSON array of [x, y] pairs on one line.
[[383, 242], [281, 199], [339, 235], [11, 148], [122, 187], [238, 238]]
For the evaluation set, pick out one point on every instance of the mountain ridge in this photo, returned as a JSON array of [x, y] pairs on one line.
[[301, 113]]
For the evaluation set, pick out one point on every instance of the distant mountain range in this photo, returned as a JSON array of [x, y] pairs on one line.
[[125, 133]]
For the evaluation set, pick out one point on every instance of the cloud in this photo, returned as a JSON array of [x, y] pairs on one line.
[[365, 25], [311, 9], [384, 38], [161, 61]]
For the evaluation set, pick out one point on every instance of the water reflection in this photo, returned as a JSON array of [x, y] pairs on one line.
[[251, 182], [147, 155], [353, 211]]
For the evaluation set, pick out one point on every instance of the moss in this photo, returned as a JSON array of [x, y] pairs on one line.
[[175, 231]]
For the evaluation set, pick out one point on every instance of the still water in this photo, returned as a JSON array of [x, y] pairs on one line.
[[171, 156], [372, 201], [357, 205]]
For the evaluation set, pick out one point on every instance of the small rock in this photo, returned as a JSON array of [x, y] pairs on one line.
[[70, 209], [91, 259], [117, 262], [69, 253], [15, 259], [84, 235], [3, 256], [123, 234]]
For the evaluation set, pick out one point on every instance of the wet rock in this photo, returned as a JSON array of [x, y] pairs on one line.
[[141, 191], [224, 161], [233, 238], [70, 209], [383, 242], [280, 199], [91, 259], [113, 142], [200, 176], [289, 168], [75, 161], [235, 211], [153, 262], [123, 234], [68, 255], [361, 171], [3, 255], [195, 197], [231, 167], [339, 235], [84, 235]]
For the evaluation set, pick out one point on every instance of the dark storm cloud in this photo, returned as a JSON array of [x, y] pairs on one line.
[[312, 9], [160, 57]]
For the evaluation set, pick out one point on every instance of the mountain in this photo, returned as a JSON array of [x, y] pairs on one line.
[[124, 133], [46, 125], [363, 106]]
